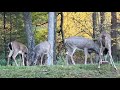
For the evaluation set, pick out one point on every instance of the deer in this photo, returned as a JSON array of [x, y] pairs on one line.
[[39, 53], [17, 48], [104, 41], [80, 43]]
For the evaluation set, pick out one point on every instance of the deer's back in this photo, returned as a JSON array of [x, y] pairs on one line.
[[79, 42], [43, 47]]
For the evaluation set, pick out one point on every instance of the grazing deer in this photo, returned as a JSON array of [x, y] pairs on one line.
[[39, 53], [16, 48], [105, 48], [80, 43]]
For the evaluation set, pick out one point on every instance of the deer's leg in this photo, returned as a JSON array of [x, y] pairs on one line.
[[35, 62], [100, 54], [70, 53], [91, 58], [20, 56], [106, 57], [9, 56], [23, 59], [72, 56], [46, 59], [67, 55], [14, 57], [41, 59], [86, 53], [67, 59], [111, 59], [36, 59]]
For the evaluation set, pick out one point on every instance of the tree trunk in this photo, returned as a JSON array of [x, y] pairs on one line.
[[61, 32], [113, 33], [102, 19], [29, 32], [4, 28], [10, 26], [61, 27], [52, 37], [16, 25], [94, 18]]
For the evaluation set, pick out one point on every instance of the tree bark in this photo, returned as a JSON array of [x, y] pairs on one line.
[[102, 19], [52, 37], [61, 32], [61, 27], [94, 18], [10, 26], [4, 28], [29, 33], [113, 33]]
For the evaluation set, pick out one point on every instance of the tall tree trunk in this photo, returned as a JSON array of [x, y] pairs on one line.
[[52, 37], [10, 25], [16, 25], [29, 32], [113, 33], [102, 19], [94, 18], [61, 32], [4, 28], [61, 45], [61, 27]]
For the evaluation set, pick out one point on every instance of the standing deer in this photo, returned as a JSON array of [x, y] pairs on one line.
[[105, 47], [16, 48], [39, 53], [80, 43]]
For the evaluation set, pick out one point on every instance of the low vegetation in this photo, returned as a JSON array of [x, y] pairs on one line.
[[60, 71]]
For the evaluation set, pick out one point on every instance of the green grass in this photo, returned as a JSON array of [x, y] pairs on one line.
[[59, 71]]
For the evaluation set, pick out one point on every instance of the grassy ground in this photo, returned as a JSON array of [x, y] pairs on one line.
[[59, 71]]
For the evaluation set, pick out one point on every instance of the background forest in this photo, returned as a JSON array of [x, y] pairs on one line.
[[86, 24]]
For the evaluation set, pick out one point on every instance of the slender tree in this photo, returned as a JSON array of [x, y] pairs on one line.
[[113, 33], [61, 27], [52, 37], [61, 34], [94, 18], [29, 33], [4, 28], [102, 19], [10, 26]]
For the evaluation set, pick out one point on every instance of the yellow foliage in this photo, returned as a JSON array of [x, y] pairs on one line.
[[77, 24], [40, 35]]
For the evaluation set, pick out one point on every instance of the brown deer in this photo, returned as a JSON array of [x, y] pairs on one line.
[[104, 41], [40, 51], [16, 48], [80, 43]]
